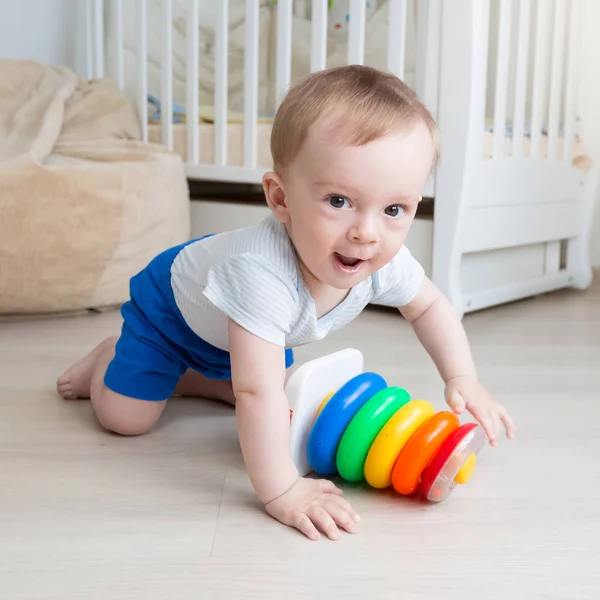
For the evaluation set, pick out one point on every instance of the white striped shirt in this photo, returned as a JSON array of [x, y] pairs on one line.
[[252, 276]]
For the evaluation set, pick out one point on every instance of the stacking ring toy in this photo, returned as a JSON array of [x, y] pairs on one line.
[[368, 431]]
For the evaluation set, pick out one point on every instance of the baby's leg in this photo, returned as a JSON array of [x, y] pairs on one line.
[[115, 412], [76, 381], [124, 414], [192, 383]]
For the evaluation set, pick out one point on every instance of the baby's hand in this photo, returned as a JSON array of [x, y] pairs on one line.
[[313, 503], [467, 392]]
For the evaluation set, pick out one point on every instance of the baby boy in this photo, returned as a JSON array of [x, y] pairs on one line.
[[218, 317]]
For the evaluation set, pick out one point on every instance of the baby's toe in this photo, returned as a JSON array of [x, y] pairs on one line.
[[65, 388]]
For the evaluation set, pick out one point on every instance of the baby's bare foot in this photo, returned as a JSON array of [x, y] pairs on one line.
[[75, 381]]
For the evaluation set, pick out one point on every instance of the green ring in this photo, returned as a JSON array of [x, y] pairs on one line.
[[364, 428]]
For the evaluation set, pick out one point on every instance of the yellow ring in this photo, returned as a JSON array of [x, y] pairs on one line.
[[322, 405], [466, 471], [391, 439]]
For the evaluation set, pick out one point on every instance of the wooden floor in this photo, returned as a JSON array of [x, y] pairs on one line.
[[171, 515]]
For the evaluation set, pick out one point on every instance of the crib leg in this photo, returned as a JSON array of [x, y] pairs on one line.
[[583, 275], [578, 252]]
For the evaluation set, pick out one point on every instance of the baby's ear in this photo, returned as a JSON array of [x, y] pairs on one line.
[[275, 195]]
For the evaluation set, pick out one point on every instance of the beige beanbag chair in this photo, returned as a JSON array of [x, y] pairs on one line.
[[84, 204]]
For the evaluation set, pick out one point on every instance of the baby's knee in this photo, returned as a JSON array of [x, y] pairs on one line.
[[124, 426], [126, 416]]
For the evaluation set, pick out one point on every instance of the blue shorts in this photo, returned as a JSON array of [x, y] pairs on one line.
[[157, 346]]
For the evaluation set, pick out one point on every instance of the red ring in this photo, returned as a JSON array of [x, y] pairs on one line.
[[444, 454]]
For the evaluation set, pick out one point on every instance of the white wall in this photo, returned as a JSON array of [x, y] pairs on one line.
[[589, 99], [40, 30]]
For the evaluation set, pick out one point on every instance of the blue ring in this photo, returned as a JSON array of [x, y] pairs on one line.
[[328, 429]]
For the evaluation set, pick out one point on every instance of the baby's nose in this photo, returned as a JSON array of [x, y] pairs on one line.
[[365, 232]]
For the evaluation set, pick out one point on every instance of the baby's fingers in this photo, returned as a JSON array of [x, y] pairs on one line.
[[456, 402], [489, 423], [342, 517], [323, 520], [508, 423], [345, 505], [306, 526]]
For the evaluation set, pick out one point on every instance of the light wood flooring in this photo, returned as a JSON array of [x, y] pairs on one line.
[[171, 515]]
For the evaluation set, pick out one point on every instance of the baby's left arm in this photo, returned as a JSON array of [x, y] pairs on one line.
[[441, 332]]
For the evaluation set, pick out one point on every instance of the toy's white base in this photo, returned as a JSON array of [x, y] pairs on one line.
[[308, 387]]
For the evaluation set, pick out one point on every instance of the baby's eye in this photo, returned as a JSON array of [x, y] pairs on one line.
[[395, 210], [338, 201]]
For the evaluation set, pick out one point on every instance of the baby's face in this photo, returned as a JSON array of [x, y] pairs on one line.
[[349, 208]]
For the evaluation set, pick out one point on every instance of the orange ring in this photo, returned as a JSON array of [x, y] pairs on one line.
[[420, 449]]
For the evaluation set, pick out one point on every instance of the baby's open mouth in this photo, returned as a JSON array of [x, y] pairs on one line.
[[350, 264]]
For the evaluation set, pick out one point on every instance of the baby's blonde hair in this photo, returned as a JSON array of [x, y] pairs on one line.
[[373, 104]]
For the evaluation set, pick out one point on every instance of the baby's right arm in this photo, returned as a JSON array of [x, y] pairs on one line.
[[258, 377]]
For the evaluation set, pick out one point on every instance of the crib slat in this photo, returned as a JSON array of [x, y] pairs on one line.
[[89, 40], [318, 49], [283, 66], [221, 82], [117, 27], [397, 37], [481, 35], [166, 116], [142, 67], [502, 78], [431, 62], [572, 78], [356, 32], [540, 77], [422, 31], [251, 84], [521, 82], [98, 39], [192, 82], [556, 77]]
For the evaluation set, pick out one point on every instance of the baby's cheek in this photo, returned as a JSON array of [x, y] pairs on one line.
[[387, 255]]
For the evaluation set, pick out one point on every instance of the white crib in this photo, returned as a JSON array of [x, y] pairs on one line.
[[514, 193]]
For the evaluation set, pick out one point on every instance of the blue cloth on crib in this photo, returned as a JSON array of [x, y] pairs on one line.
[[178, 110], [508, 129]]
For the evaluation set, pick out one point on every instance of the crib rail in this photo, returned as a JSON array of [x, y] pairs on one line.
[[167, 69], [318, 51], [396, 49], [513, 173], [221, 87], [192, 93], [534, 40], [500, 76], [356, 32], [529, 90], [525, 153], [251, 66], [216, 145], [142, 79]]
